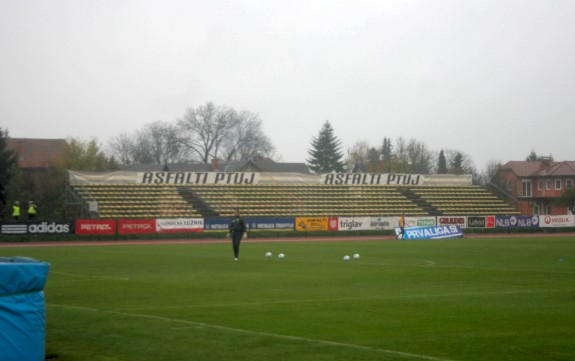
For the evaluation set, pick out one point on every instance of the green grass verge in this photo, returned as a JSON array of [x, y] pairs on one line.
[[465, 299]]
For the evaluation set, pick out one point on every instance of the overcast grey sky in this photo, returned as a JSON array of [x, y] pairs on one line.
[[494, 79]]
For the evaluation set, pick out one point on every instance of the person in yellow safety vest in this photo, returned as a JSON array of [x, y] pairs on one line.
[[31, 211], [16, 211], [401, 226]]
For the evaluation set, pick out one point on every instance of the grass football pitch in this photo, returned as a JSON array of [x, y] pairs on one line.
[[464, 299]]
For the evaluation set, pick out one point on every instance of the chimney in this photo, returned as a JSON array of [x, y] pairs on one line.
[[545, 162], [215, 164]]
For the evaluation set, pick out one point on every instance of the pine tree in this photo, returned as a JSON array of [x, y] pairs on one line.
[[532, 156], [441, 163], [457, 164], [325, 154], [386, 149]]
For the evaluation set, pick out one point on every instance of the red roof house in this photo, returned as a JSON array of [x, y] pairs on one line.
[[535, 185], [35, 154]]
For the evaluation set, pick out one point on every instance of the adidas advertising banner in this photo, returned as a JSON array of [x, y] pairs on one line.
[[517, 221], [438, 232], [48, 227], [179, 225], [556, 221]]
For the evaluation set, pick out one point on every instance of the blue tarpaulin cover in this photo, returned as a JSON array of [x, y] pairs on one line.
[[22, 309]]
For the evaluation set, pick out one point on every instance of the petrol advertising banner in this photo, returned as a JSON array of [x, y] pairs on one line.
[[179, 225], [517, 221], [557, 221], [438, 232], [136, 226], [95, 226], [315, 224]]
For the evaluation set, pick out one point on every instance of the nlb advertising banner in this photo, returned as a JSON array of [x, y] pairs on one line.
[[136, 226], [438, 232], [557, 221], [179, 225], [517, 221], [95, 226]]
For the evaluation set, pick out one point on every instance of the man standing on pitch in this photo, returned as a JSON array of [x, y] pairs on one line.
[[237, 230], [401, 226]]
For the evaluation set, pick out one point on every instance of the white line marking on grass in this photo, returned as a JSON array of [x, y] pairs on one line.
[[505, 269], [90, 276], [390, 297], [258, 333]]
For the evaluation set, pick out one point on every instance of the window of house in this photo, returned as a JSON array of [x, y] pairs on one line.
[[547, 209], [539, 184], [536, 209], [548, 184], [557, 184], [569, 183], [527, 188]]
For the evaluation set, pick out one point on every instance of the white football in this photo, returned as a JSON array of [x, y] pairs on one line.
[[268, 254], [346, 258], [281, 256], [356, 256]]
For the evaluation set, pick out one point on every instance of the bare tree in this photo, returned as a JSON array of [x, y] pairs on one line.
[[357, 157], [162, 141], [157, 142], [211, 131], [400, 160], [204, 129], [122, 148], [489, 174], [419, 156], [411, 156], [246, 140], [363, 158]]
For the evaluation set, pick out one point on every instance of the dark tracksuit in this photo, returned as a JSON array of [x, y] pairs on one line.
[[237, 229]]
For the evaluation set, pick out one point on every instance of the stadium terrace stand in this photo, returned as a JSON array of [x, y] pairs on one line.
[[275, 196], [461, 200]]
